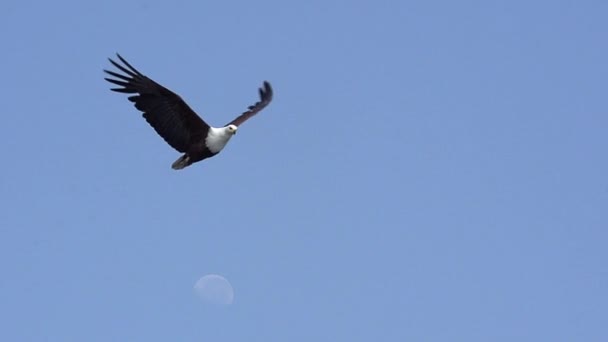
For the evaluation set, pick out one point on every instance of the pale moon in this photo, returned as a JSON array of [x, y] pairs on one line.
[[215, 289]]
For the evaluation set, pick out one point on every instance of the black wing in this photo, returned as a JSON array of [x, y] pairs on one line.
[[265, 98], [164, 110]]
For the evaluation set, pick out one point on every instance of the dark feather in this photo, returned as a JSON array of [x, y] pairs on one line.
[[265, 98], [164, 110]]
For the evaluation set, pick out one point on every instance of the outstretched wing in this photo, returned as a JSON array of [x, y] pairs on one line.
[[265, 98], [164, 110]]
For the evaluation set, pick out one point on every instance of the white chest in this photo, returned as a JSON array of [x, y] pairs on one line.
[[217, 138]]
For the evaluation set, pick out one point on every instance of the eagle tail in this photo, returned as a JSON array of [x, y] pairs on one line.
[[181, 163]]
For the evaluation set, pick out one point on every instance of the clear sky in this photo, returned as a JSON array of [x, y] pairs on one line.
[[427, 171]]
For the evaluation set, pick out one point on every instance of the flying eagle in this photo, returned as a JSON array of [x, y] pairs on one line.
[[173, 119]]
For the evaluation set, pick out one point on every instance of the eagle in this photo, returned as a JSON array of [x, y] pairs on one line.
[[174, 120]]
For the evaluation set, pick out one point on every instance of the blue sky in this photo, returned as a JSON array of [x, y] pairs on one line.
[[427, 171]]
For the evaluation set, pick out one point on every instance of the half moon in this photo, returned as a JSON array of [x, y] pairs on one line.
[[214, 288]]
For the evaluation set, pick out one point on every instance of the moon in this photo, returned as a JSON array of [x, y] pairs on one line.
[[215, 289]]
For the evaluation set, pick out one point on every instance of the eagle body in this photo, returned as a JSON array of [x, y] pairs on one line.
[[215, 140], [174, 120]]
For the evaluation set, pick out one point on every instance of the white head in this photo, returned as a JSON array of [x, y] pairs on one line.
[[218, 137], [231, 129]]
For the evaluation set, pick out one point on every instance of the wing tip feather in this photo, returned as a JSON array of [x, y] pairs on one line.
[[266, 92]]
